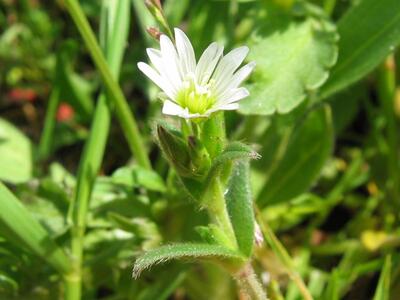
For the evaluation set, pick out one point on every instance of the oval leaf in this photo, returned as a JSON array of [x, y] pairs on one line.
[[292, 59]]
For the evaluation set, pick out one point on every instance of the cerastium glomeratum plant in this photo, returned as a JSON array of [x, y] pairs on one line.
[[213, 171]]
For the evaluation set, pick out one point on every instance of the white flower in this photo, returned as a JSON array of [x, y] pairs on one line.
[[197, 90]]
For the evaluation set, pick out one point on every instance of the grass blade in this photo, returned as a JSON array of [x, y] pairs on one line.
[[115, 24], [124, 114], [383, 290], [30, 232], [45, 143]]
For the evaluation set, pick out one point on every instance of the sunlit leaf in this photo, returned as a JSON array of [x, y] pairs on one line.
[[29, 232], [293, 58], [15, 154]]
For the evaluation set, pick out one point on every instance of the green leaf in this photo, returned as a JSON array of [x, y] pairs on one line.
[[29, 232], [181, 251], [223, 162], [143, 229], [239, 203], [15, 154], [309, 146], [293, 58], [233, 151], [332, 289], [368, 33], [137, 176], [383, 290]]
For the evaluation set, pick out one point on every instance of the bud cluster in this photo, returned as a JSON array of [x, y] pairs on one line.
[[186, 154]]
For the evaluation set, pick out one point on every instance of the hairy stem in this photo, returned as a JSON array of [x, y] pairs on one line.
[[249, 284], [218, 212]]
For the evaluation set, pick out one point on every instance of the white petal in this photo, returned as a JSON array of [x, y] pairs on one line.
[[157, 60], [233, 96], [156, 78], [185, 52], [228, 64], [173, 109], [235, 80], [170, 60], [207, 62], [231, 106]]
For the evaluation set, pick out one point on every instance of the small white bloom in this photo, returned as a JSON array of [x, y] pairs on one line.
[[197, 90]]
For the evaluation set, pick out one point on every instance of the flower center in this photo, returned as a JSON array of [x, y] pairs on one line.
[[195, 97]]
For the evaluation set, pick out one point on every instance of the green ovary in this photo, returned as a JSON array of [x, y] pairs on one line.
[[195, 101]]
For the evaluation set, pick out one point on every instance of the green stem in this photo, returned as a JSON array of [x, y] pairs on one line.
[[218, 211], [49, 123], [124, 114], [249, 284], [387, 91], [73, 281]]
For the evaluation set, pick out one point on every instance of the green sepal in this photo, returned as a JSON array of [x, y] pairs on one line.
[[213, 134], [199, 156]]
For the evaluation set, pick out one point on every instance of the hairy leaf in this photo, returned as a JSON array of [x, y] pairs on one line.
[[239, 203], [181, 251], [233, 151]]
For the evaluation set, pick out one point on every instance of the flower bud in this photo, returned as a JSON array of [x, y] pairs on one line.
[[153, 4], [175, 150], [154, 32], [155, 8], [199, 156]]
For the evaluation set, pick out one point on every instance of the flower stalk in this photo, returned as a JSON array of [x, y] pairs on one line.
[[249, 284]]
